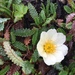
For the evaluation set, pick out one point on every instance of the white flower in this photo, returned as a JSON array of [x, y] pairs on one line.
[[51, 46]]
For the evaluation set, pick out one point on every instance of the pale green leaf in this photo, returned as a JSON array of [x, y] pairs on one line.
[[1, 26], [27, 67], [1, 62]]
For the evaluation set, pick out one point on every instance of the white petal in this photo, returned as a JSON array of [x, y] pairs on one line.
[[50, 60], [51, 32], [40, 49], [59, 38], [63, 48], [44, 36], [59, 56]]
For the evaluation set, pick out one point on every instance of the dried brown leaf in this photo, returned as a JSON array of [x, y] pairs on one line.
[[70, 17], [59, 21], [7, 35], [13, 69], [27, 41]]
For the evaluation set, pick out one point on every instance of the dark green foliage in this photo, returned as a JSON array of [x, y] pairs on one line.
[[69, 37], [61, 30], [5, 70], [35, 37], [33, 13], [47, 14], [13, 37], [19, 45], [35, 56], [63, 72], [24, 32]]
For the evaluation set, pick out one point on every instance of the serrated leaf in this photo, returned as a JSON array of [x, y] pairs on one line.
[[47, 8], [1, 62], [13, 37], [52, 8], [33, 13], [27, 67], [16, 73], [48, 20], [5, 70], [63, 72], [67, 9], [24, 32], [35, 38], [35, 56], [19, 13], [42, 14], [19, 45]]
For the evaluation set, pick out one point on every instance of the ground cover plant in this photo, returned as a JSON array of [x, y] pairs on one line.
[[37, 37]]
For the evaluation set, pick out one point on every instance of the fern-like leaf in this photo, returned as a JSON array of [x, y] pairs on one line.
[[24, 32], [11, 54]]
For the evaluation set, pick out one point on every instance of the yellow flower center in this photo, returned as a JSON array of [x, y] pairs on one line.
[[49, 47]]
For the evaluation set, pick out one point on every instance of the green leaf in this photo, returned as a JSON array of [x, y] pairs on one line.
[[63, 72], [48, 20], [67, 9], [33, 13], [2, 52], [27, 67], [69, 37], [17, 1], [24, 32], [19, 45], [58, 66], [18, 53], [5, 11], [5, 70], [2, 20], [47, 8], [61, 30], [16, 73], [35, 56], [19, 13], [53, 8], [1, 62], [69, 25], [35, 38], [42, 14], [72, 65], [13, 37], [1, 26]]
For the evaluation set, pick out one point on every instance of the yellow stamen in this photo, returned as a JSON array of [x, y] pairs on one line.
[[49, 47]]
